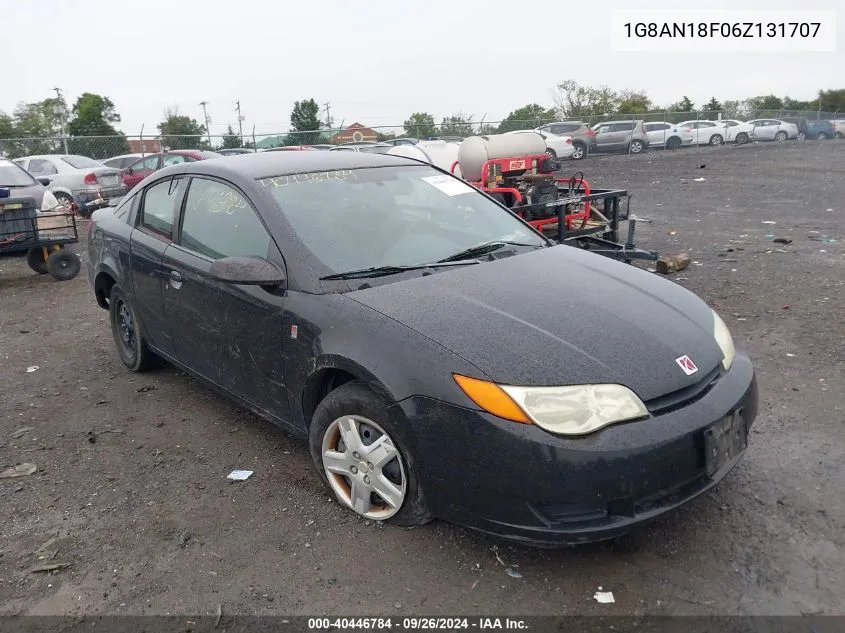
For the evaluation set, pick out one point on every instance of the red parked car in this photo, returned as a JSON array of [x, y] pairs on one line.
[[143, 167]]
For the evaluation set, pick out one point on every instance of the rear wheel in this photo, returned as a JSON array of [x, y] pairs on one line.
[[780, 136], [635, 147], [551, 152], [35, 260], [741, 138], [362, 455], [821, 136], [130, 341], [716, 139], [673, 143], [63, 265], [579, 151]]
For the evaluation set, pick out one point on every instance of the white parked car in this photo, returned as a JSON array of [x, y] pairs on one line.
[[667, 135], [557, 146], [368, 148], [773, 130], [839, 127], [68, 175]]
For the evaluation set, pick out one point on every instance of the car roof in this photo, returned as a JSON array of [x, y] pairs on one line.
[[269, 164]]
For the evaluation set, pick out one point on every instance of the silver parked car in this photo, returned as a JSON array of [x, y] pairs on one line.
[[68, 175], [122, 161], [773, 130], [620, 136]]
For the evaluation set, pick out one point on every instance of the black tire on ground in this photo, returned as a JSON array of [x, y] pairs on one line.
[[741, 138], [63, 265], [356, 398], [635, 147], [128, 335], [35, 260], [780, 136], [716, 139], [673, 143], [580, 151]]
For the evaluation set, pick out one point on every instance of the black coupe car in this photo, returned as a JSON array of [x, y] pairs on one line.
[[442, 357]]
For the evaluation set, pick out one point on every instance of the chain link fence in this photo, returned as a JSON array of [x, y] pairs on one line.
[[107, 147]]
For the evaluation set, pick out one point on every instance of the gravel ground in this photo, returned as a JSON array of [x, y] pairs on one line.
[[148, 524]]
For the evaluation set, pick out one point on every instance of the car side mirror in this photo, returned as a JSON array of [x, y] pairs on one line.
[[43, 180], [247, 271]]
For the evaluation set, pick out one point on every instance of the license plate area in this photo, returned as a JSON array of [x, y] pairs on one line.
[[724, 441]]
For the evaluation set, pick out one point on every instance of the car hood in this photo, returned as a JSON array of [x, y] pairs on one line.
[[559, 316]]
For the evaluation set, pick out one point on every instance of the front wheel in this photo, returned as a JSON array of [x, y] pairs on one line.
[[579, 151], [130, 341], [741, 138], [780, 137], [362, 456], [821, 136], [552, 154], [636, 147], [673, 143], [716, 140], [801, 136]]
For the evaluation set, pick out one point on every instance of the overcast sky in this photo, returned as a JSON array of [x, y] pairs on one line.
[[374, 62]]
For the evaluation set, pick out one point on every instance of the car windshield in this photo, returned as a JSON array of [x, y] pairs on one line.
[[390, 216], [13, 176], [81, 162]]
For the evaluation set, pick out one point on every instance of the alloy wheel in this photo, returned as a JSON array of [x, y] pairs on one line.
[[364, 467]]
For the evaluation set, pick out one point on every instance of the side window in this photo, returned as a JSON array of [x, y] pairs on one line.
[[150, 162], [41, 167], [219, 222], [603, 129], [656, 127], [159, 207], [122, 210]]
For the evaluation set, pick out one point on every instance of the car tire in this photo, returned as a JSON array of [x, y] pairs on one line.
[[635, 147], [781, 136], [801, 137], [821, 136], [62, 198], [551, 153], [128, 337], [35, 260], [716, 140], [673, 143], [354, 410], [742, 138], [63, 265], [579, 151]]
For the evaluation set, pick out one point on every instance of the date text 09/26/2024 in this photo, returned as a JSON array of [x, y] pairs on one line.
[[408, 623]]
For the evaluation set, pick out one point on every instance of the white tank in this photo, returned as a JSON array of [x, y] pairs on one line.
[[477, 150], [439, 153]]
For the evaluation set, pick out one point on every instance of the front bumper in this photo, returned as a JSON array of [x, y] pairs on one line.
[[523, 484]]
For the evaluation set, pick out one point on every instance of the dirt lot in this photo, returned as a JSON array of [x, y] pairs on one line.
[[148, 523]]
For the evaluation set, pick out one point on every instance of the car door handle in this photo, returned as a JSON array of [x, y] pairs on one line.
[[175, 279]]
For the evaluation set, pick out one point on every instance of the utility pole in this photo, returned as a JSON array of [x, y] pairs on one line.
[[327, 108], [240, 120], [207, 121], [61, 112]]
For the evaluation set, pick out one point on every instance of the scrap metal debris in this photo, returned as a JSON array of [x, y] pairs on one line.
[[21, 431], [510, 571], [49, 567], [782, 240], [145, 389], [32, 368], [21, 470]]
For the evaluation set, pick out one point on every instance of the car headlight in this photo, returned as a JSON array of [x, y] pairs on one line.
[[565, 410], [49, 202], [724, 339]]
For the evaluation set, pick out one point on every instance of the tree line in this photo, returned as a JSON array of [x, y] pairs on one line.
[[88, 128]]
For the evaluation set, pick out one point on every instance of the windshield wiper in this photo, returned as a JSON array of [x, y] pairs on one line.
[[483, 249], [381, 271]]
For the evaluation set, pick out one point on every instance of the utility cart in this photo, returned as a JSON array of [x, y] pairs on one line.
[[44, 236]]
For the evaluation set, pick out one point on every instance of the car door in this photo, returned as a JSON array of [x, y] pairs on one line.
[[604, 137], [657, 133], [765, 129], [141, 169], [154, 229], [230, 334]]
